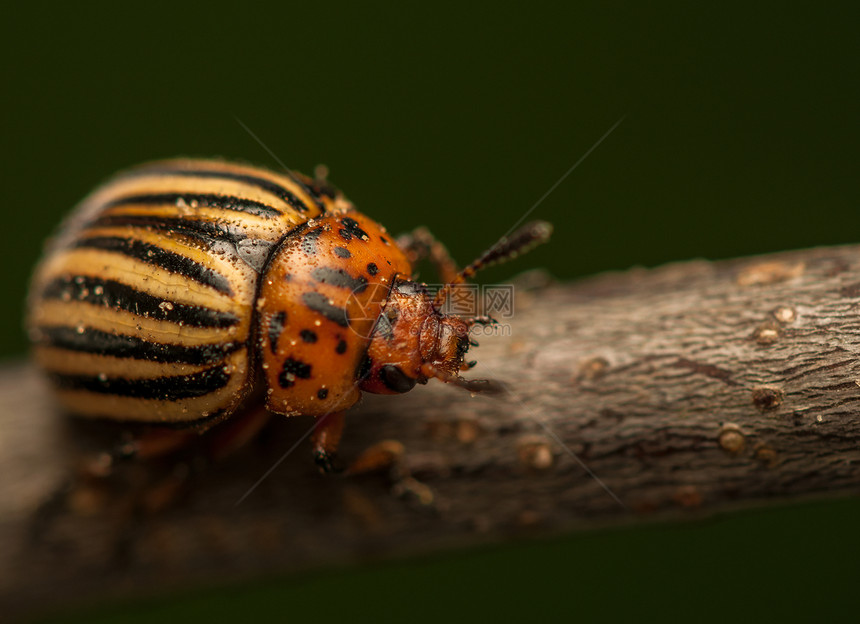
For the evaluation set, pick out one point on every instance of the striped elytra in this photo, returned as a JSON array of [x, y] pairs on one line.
[[183, 291]]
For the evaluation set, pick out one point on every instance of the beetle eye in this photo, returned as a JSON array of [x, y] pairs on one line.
[[395, 379]]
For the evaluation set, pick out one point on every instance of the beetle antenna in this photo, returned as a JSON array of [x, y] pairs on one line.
[[486, 386], [506, 248], [287, 171]]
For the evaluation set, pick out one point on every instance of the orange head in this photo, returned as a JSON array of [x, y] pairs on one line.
[[413, 340]]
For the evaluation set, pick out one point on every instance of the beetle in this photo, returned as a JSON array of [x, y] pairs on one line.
[[184, 292]]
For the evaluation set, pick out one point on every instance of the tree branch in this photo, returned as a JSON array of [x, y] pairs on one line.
[[688, 389]]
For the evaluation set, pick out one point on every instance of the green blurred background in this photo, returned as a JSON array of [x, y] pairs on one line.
[[740, 137]]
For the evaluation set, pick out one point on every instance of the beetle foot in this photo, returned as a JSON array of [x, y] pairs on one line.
[[327, 462], [381, 456], [388, 456], [408, 486]]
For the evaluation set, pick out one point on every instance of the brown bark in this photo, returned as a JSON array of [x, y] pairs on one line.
[[688, 389]]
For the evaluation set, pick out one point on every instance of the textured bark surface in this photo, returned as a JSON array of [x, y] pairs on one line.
[[688, 389]]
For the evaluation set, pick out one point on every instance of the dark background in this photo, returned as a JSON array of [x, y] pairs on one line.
[[740, 137]]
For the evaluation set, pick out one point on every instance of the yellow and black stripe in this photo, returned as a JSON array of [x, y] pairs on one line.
[[143, 308]]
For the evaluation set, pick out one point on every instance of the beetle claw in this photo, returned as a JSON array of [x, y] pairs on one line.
[[327, 462], [484, 386]]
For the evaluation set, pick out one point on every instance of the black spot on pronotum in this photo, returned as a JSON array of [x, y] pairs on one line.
[[395, 379], [342, 252], [320, 304], [309, 241], [308, 335], [322, 393], [292, 370], [384, 240], [341, 347], [276, 326], [372, 268], [352, 228], [364, 368], [339, 278]]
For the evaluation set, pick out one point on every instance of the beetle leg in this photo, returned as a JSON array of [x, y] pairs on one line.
[[325, 438], [219, 442], [381, 456], [387, 455], [420, 244], [232, 435], [150, 445], [85, 490], [88, 491]]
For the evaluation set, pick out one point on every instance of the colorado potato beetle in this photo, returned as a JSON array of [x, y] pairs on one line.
[[183, 292]]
